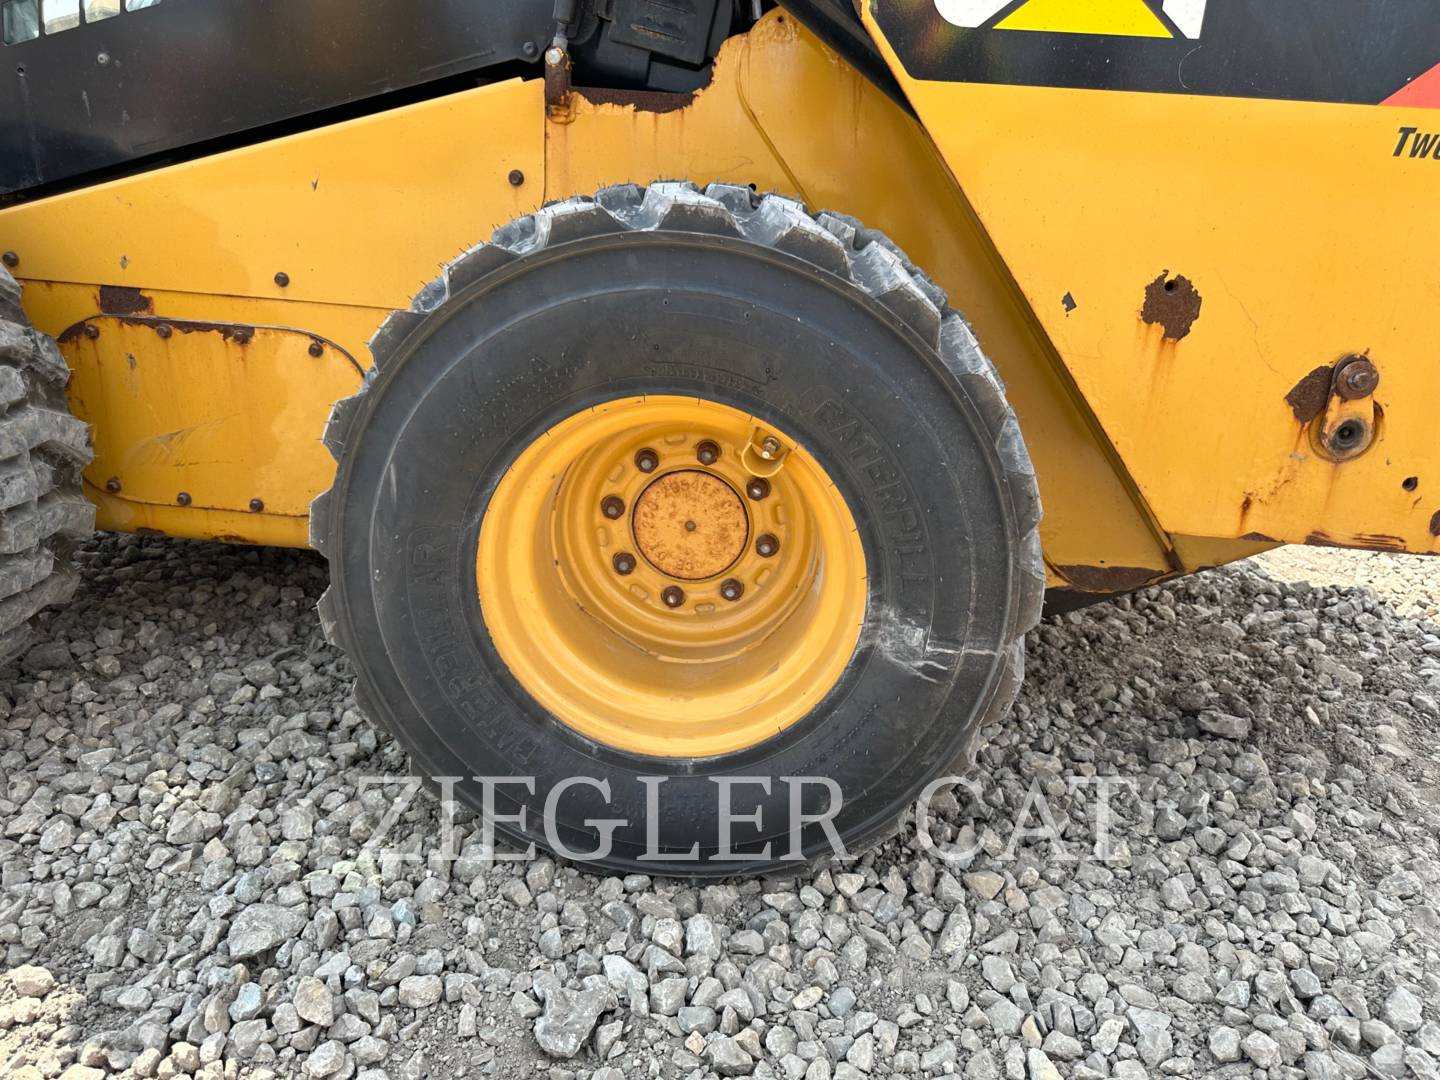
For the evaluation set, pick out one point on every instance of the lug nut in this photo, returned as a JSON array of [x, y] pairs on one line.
[[673, 596], [769, 447], [757, 488], [623, 562], [731, 589], [707, 453], [646, 460], [768, 544], [612, 506]]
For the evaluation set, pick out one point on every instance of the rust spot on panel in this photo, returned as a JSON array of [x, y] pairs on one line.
[[1172, 304], [145, 530], [236, 332], [1366, 541], [647, 101], [1308, 396], [232, 538], [1107, 579], [124, 300], [1435, 524], [1259, 537]]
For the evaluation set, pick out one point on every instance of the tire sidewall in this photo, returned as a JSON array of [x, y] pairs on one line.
[[613, 317]]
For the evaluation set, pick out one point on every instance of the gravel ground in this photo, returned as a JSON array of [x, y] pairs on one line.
[[185, 891]]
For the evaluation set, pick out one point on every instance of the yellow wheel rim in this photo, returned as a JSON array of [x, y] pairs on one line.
[[671, 576]]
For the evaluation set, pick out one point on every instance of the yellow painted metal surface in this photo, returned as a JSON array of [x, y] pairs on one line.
[[356, 223], [206, 415], [703, 635], [362, 214], [1307, 241]]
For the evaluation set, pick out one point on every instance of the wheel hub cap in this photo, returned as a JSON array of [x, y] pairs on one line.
[[690, 525], [659, 585]]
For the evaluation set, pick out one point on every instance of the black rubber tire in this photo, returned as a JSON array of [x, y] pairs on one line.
[[43, 450], [814, 323]]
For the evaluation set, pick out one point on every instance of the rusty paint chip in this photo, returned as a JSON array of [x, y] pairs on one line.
[[1308, 396], [124, 300], [1435, 524], [645, 101], [1109, 579], [1171, 303]]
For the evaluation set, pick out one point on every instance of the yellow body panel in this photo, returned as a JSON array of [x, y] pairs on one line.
[[360, 215], [1307, 242]]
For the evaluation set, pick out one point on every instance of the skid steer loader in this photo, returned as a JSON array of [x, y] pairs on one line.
[[674, 387]]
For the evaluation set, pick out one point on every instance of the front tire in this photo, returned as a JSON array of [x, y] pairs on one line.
[[812, 331]]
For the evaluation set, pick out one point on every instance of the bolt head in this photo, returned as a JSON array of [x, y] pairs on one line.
[[646, 460], [612, 506], [767, 545], [757, 488], [554, 56], [769, 446], [183, 498], [731, 589], [673, 596]]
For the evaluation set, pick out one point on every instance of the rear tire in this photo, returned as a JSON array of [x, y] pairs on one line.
[[43, 450], [814, 325]]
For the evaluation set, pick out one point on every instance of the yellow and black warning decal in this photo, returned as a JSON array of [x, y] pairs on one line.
[[1357, 51]]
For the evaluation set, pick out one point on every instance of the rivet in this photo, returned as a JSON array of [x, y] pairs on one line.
[[256, 506], [183, 498], [282, 279], [112, 485], [516, 178], [673, 596], [316, 349], [164, 330], [92, 331], [10, 259]]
